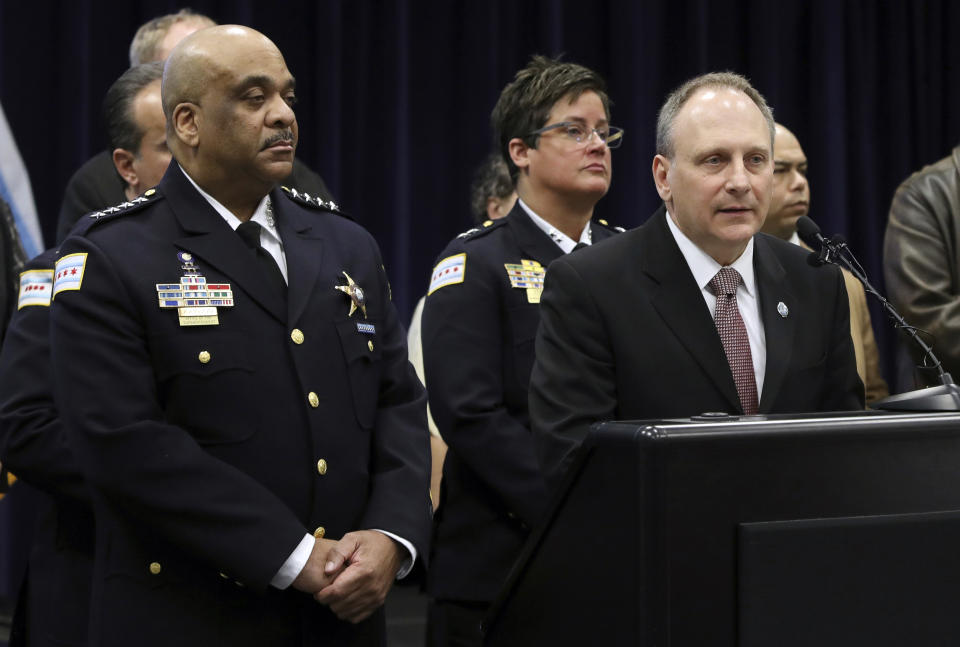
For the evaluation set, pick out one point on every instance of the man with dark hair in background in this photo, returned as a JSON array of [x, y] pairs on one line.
[[552, 127], [693, 311], [101, 182], [789, 200]]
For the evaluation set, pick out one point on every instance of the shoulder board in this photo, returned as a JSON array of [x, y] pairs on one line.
[[485, 228], [613, 228], [315, 203], [124, 208]]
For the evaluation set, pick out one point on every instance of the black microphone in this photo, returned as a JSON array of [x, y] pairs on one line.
[[824, 251], [834, 251]]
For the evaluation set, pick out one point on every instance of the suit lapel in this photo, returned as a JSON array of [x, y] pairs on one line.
[[680, 304], [211, 239], [303, 247], [778, 330]]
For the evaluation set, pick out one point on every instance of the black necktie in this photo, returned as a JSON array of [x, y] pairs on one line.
[[249, 232]]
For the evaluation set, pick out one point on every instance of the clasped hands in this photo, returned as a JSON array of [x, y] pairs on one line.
[[351, 576]]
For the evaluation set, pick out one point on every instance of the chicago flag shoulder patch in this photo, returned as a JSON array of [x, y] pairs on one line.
[[69, 272], [449, 271], [36, 288]]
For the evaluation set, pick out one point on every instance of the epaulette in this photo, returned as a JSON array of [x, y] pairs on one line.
[[124, 208], [601, 221], [486, 227], [306, 200]]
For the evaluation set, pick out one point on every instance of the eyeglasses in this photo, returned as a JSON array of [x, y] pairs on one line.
[[609, 135]]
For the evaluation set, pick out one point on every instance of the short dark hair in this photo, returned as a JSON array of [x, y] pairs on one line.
[[122, 128], [147, 40], [676, 100], [490, 180], [526, 102]]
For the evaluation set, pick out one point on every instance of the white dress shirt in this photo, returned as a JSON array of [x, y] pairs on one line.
[[561, 239], [270, 241], [704, 268]]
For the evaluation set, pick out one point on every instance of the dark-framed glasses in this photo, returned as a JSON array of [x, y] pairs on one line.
[[575, 131]]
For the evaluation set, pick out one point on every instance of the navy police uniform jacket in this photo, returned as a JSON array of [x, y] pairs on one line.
[[34, 445], [479, 324], [212, 449]]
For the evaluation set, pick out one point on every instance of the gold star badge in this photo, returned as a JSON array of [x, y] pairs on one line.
[[355, 292]]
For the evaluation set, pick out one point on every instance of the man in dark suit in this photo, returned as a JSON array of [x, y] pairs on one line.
[[233, 376], [479, 322], [655, 324]]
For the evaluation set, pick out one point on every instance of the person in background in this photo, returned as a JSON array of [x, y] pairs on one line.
[[921, 260], [553, 131], [789, 200]]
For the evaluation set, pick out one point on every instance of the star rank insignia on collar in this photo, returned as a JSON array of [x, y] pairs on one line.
[[355, 292]]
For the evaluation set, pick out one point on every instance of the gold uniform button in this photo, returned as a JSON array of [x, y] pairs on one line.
[[313, 399], [487, 223], [370, 345], [149, 192], [155, 568], [224, 576], [320, 532], [322, 466], [204, 357], [603, 222], [296, 335]]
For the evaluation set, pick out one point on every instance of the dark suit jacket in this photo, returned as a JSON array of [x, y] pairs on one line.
[[478, 352], [626, 335], [33, 444], [201, 443], [97, 185]]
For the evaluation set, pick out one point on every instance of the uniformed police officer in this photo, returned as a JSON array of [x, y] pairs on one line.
[[233, 375], [52, 608], [479, 322]]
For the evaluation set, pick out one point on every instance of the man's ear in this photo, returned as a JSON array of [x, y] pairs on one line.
[[186, 123], [519, 150], [661, 170], [123, 161]]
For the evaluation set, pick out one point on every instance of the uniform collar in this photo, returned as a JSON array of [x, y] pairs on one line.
[[561, 239]]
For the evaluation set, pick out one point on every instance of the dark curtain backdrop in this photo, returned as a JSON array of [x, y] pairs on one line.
[[395, 95]]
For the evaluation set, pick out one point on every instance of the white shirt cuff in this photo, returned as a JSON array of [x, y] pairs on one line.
[[407, 564], [294, 564]]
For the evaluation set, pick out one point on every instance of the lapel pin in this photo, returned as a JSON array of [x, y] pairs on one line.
[[782, 309]]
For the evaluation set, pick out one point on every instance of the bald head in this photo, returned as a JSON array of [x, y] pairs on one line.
[[790, 195], [228, 98], [205, 55]]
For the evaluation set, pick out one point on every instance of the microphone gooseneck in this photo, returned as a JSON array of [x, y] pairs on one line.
[[834, 251]]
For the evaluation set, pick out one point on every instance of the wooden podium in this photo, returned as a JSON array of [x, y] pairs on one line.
[[830, 530]]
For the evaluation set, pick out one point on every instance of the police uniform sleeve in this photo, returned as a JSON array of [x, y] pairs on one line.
[[105, 387], [463, 347], [33, 442], [399, 499], [573, 384]]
